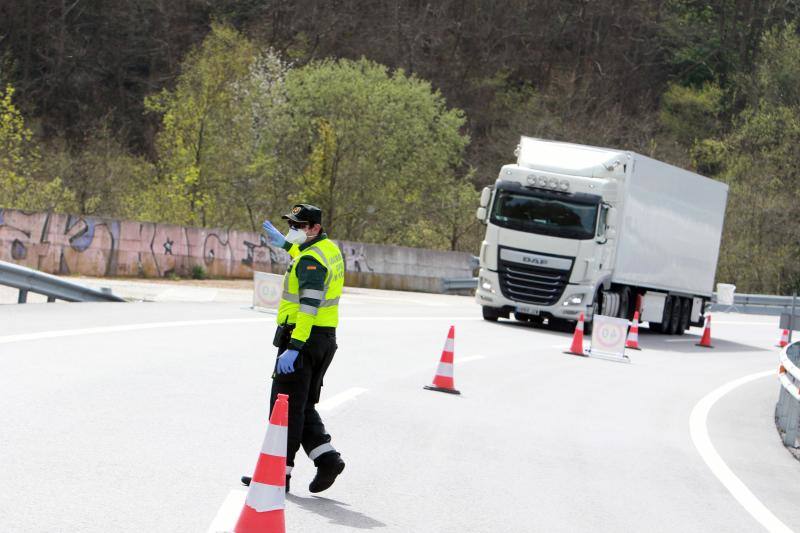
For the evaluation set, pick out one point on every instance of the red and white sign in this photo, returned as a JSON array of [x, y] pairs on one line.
[[267, 290], [608, 336]]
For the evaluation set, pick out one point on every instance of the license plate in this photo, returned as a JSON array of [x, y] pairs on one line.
[[528, 310]]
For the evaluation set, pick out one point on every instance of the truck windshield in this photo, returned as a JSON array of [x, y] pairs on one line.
[[549, 216]]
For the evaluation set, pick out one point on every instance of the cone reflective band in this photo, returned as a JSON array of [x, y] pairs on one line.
[[784, 339], [577, 339], [263, 508], [633, 335], [705, 342], [443, 380]]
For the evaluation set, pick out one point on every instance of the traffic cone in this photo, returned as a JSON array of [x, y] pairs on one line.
[[705, 342], [633, 334], [784, 339], [577, 339], [443, 380], [263, 508]]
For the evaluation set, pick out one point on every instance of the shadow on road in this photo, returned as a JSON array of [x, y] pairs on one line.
[[336, 512]]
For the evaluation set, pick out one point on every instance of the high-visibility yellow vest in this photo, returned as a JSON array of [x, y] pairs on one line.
[[327, 314]]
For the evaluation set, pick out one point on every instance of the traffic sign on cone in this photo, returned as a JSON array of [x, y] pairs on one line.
[[577, 339], [443, 380], [633, 334], [705, 342], [263, 508], [784, 339]]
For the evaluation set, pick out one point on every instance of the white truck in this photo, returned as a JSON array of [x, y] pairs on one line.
[[574, 229]]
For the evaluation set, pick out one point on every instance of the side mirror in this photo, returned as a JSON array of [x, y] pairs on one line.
[[480, 214], [486, 195], [611, 217]]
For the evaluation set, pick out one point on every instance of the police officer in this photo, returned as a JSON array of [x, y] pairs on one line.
[[306, 338]]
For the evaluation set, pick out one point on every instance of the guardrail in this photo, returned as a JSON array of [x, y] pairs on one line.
[[55, 288], [787, 411], [459, 284], [756, 304]]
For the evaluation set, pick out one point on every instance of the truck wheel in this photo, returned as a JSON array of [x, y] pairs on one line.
[[686, 315], [624, 303], [675, 319], [490, 314]]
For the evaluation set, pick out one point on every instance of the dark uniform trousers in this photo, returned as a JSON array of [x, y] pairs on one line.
[[303, 387]]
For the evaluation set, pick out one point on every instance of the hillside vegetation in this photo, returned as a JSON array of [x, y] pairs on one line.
[[392, 115]]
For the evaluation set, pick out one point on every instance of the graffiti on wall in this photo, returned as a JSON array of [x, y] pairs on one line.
[[68, 244]]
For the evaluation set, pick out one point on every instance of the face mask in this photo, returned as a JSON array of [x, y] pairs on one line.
[[296, 236]]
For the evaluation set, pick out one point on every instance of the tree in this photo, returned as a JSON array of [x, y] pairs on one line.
[[216, 146], [761, 250], [381, 145], [19, 162]]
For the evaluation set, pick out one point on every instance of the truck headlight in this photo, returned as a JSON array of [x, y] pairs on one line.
[[486, 284], [574, 299]]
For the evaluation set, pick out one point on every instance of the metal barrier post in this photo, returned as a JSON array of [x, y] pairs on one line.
[[791, 317], [783, 405], [23, 296], [793, 418]]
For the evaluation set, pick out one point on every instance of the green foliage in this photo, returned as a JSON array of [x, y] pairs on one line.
[[383, 146], [761, 252], [19, 163], [690, 114], [198, 272], [216, 156]]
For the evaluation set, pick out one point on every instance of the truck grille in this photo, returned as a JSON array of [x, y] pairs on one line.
[[532, 284]]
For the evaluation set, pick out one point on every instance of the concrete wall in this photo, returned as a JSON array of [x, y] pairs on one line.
[[67, 244]]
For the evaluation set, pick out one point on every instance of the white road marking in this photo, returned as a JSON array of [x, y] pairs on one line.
[[468, 359], [335, 401], [228, 514], [53, 334], [698, 430]]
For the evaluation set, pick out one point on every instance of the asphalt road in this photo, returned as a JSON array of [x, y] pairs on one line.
[[141, 417]]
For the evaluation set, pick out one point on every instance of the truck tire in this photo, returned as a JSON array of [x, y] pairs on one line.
[[675, 319], [625, 303], [686, 316], [490, 314]]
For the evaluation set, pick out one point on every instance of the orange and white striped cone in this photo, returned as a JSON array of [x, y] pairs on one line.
[[784, 339], [633, 334], [266, 497], [577, 339], [443, 380], [705, 342]]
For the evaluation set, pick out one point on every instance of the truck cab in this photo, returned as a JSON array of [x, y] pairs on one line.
[[549, 224]]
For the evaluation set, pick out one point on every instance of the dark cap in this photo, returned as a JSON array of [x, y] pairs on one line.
[[308, 213]]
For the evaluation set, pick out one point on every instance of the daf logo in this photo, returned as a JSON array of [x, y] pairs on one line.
[[534, 260]]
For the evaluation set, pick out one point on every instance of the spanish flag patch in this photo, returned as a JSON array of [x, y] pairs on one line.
[[311, 267]]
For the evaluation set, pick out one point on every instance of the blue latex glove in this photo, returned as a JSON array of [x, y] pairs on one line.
[[275, 237], [286, 361]]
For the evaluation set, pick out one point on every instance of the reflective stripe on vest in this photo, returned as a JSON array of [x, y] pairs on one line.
[[326, 314]]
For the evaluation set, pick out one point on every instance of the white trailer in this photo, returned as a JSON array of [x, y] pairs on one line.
[[578, 229]]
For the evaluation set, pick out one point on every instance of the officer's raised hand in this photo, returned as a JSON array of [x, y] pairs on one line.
[[286, 361], [274, 236]]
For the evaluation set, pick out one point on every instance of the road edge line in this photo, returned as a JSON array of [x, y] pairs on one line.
[[698, 431]]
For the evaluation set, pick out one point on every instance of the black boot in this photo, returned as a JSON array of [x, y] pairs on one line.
[[327, 471], [247, 479]]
